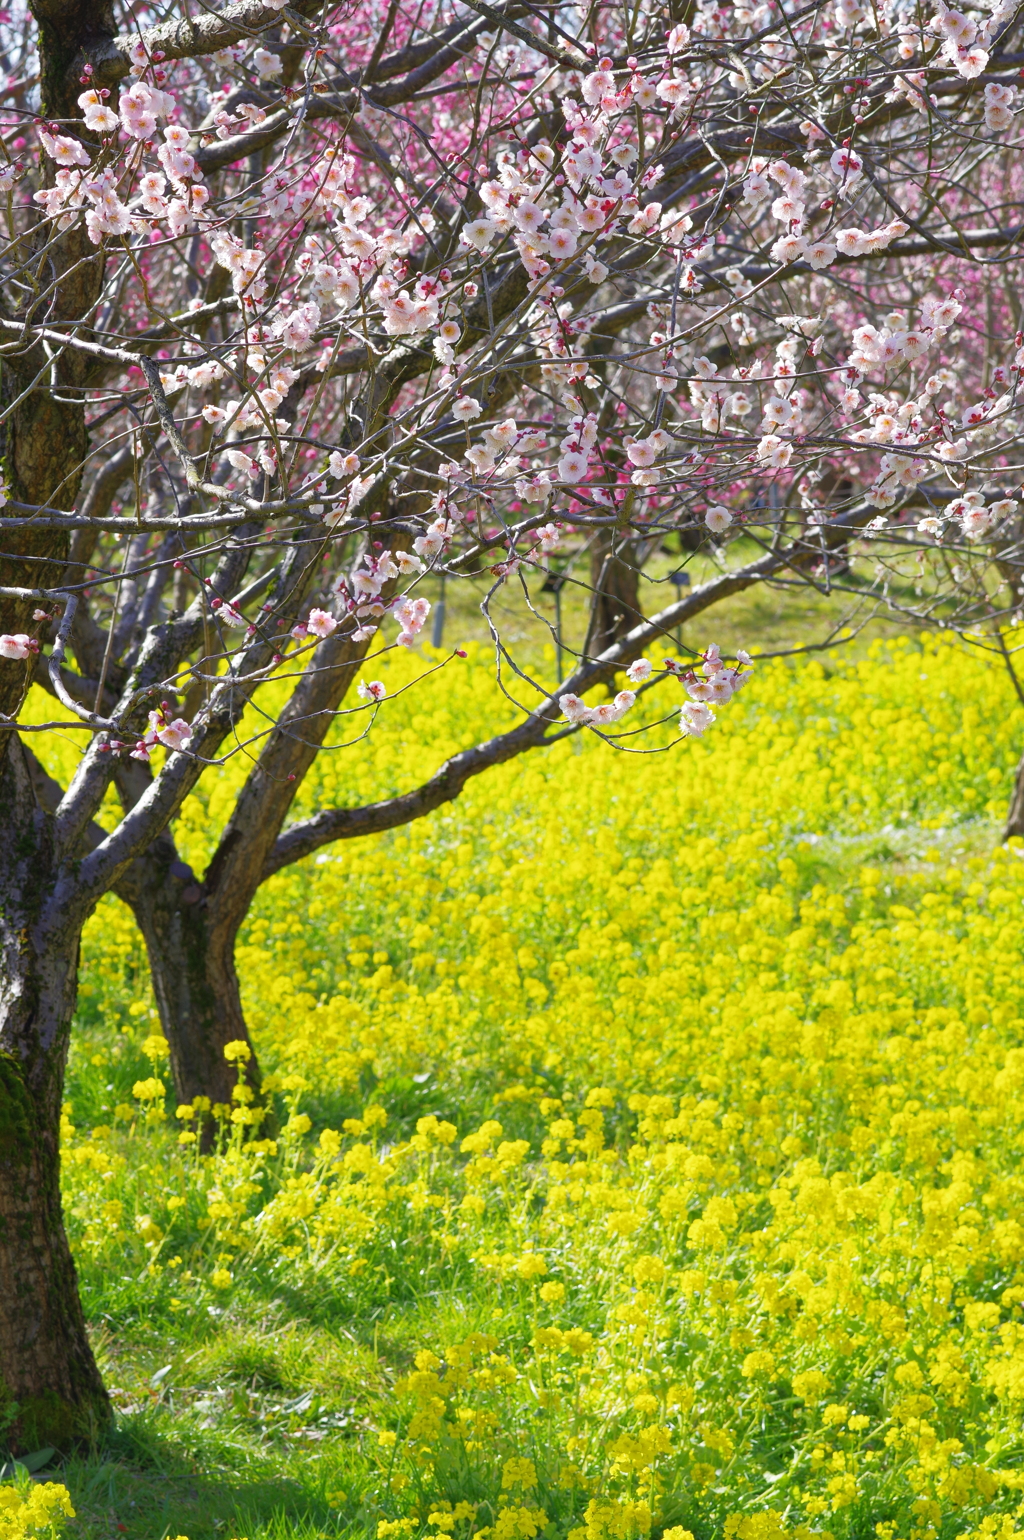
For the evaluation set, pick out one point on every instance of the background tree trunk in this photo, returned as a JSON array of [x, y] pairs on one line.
[[615, 579], [192, 966], [1015, 814], [47, 1368]]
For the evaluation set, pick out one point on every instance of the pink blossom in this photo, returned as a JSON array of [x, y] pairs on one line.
[[320, 623], [64, 150], [642, 452], [18, 646], [572, 466], [175, 735], [411, 615], [371, 690]]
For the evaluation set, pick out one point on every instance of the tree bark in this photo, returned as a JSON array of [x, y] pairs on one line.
[[50, 1387], [192, 966], [615, 580], [44, 440], [1015, 814]]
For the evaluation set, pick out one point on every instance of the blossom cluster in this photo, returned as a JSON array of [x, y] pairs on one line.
[[716, 683]]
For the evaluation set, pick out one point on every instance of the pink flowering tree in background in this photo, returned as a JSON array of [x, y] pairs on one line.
[[305, 304]]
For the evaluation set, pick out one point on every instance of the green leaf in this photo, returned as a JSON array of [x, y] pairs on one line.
[[37, 1459]]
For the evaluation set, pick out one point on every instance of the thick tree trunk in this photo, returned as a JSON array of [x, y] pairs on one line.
[[1015, 815], [43, 439], [50, 1387]]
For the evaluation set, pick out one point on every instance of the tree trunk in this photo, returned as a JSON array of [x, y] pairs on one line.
[[615, 579], [50, 1388], [192, 965], [190, 924], [1015, 815]]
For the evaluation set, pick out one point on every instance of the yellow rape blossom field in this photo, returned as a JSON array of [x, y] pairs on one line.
[[649, 1144]]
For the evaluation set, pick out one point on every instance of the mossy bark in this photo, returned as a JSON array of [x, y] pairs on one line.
[[50, 1388]]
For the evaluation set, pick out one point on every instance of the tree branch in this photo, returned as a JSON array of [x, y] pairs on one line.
[[186, 38], [351, 823]]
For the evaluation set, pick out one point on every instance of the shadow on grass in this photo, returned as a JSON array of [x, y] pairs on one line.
[[153, 1478]]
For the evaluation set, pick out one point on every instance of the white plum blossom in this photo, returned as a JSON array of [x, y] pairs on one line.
[[479, 234], [100, 118], [18, 646], [340, 465], [640, 671], [998, 100], [435, 538], [789, 248], [820, 254], [579, 714], [718, 518], [64, 150], [242, 462], [642, 452], [297, 329], [572, 466], [774, 452], [846, 165], [267, 64], [371, 689], [695, 717], [850, 242], [975, 523], [227, 614]]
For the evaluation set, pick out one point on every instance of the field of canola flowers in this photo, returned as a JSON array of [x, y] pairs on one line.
[[649, 1151]]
